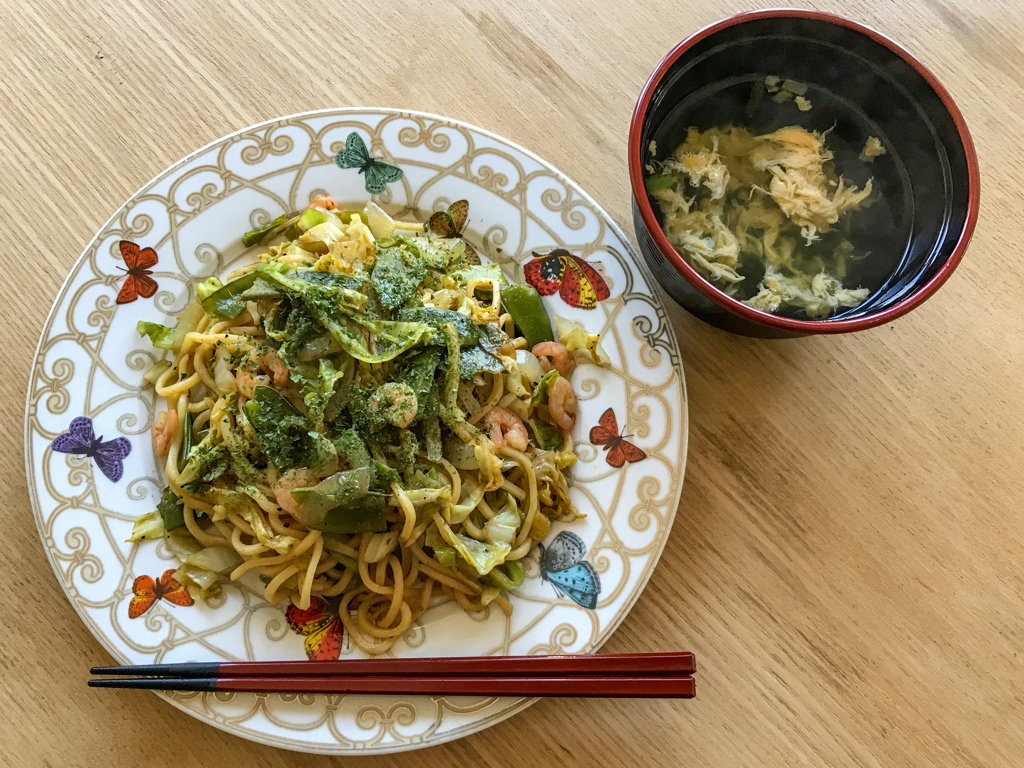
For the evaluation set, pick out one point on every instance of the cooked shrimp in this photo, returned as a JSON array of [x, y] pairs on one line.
[[506, 429], [273, 362], [552, 354], [396, 403], [295, 478], [562, 404], [273, 367], [164, 429], [326, 202], [247, 382]]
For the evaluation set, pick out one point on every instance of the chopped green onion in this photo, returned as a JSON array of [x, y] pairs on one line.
[[255, 236], [186, 443], [659, 182]]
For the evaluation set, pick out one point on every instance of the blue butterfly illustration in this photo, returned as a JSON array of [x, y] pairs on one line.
[[563, 566], [81, 440], [378, 173]]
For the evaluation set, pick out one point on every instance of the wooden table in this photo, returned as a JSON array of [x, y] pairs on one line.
[[847, 561]]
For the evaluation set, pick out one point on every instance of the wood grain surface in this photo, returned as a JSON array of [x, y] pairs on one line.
[[848, 559]]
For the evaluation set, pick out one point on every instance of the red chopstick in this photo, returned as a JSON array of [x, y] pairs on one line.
[[469, 666], [656, 675], [589, 686]]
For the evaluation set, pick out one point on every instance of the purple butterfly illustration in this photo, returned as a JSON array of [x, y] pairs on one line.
[[81, 440]]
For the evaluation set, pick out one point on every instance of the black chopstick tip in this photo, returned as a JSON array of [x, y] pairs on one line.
[[107, 671], [115, 682], [156, 683], [188, 669]]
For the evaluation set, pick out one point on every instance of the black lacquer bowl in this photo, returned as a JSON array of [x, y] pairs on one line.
[[860, 83]]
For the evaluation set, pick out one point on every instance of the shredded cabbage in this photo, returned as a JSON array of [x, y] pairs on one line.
[[159, 368], [529, 365], [483, 556], [201, 569], [502, 528], [181, 543], [552, 487], [148, 526], [381, 545], [188, 321], [200, 583], [583, 345], [215, 559], [222, 372], [326, 233], [381, 225], [159, 335], [472, 493], [461, 455], [258, 522]]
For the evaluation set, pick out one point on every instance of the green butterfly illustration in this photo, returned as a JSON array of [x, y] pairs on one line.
[[378, 173]]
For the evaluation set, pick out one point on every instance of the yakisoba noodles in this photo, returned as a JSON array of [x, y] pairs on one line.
[[366, 416]]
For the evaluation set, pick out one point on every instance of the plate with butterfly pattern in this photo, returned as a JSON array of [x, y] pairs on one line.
[[91, 465]]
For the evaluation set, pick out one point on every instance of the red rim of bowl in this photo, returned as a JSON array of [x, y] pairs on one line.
[[737, 307]]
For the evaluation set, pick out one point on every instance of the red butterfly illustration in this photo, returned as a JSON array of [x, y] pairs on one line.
[[578, 283], [146, 591], [321, 626], [138, 282], [607, 434]]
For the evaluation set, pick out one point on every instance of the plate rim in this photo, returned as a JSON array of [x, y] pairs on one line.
[[476, 726]]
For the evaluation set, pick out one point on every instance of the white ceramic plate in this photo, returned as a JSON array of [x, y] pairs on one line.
[[90, 363]]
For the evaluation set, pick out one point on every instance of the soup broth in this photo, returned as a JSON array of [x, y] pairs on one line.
[[850, 254]]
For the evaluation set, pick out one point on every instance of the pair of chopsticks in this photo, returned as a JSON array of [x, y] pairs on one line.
[[643, 676]]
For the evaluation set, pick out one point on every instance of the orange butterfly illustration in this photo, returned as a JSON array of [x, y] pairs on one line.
[[450, 223], [607, 434], [322, 627], [138, 282], [146, 591], [578, 283]]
